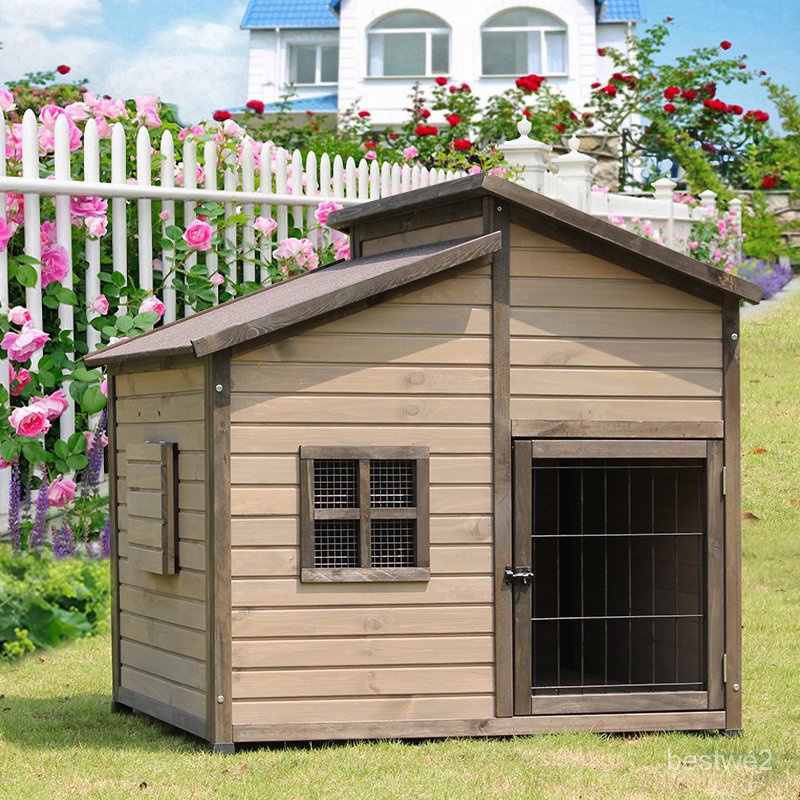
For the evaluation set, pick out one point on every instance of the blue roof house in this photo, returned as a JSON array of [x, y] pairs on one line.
[[337, 53]]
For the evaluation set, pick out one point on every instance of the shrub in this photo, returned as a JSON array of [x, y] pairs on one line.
[[771, 277], [44, 601]]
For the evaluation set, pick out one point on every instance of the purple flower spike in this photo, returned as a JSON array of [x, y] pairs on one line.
[[13, 508], [40, 519]]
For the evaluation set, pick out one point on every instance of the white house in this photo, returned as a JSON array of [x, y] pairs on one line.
[[339, 52]]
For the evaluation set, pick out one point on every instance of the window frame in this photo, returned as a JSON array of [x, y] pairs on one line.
[[542, 30], [428, 32], [365, 513], [291, 46]]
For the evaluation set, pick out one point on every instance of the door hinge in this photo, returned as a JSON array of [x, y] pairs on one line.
[[724, 481], [724, 667]]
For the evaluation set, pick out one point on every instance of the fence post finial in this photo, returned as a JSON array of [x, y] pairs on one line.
[[528, 155], [708, 200], [575, 175], [663, 189]]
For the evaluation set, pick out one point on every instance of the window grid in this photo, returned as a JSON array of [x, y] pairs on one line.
[[335, 483], [336, 543], [391, 483], [393, 542]]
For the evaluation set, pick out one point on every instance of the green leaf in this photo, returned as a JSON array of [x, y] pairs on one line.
[[9, 449], [173, 232], [93, 400], [61, 449], [77, 462], [87, 375], [76, 443], [49, 301], [47, 378], [124, 324], [146, 319], [33, 450], [29, 260], [118, 278], [26, 275], [67, 296]]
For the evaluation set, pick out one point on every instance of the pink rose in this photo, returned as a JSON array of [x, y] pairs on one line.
[[325, 209], [30, 420], [265, 225], [96, 227], [474, 170], [341, 245], [110, 109], [4, 464], [47, 130], [163, 215], [152, 303], [104, 387], [55, 264], [48, 233], [6, 232], [297, 252], [217, 279], [21, 346], [17, 380], [198, 235], [147, 111], [55, 403], [19, 315], [60, 492], [82, 207], [99, 305], [410, 152], [77, 111], [6, 100], [90, 440]]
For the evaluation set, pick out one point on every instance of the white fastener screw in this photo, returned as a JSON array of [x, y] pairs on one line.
[[499, 208], [734, 337], [221, 698], [218, 387], [736, 687]]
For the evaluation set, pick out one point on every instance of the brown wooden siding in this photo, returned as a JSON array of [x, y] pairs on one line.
[[163, 617], [414, 370], [591, 340]]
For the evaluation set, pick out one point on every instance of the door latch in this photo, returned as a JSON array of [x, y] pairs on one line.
[[523, 575]]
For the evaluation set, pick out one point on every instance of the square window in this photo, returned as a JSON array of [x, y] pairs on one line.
[[364, 514]]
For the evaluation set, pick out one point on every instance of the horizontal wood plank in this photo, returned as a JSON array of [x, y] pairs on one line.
[[169, 666], [588, 293], [172, 610], [162, 382], [544, 262], [351, 379], [325, 621], [525, 238], [272, 592], [616, 409], [324, 683], [442, 232], [161, 408], [185, 585], [389, 410], [188, 435], [191, 554], [277, 439], [679, 354], [615, 323], [402, 317], [349, 349], [625, 429], [191, 467], [172, 694], [569, 381], [165, 636]]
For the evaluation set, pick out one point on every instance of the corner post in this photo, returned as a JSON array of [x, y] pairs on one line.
[[113, 552], [497, 217], [733, 508], [219, 712]]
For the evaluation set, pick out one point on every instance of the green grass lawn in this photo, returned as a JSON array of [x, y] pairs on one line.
[[58, 738]]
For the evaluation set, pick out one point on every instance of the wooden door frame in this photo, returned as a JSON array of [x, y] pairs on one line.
[[711, 451]]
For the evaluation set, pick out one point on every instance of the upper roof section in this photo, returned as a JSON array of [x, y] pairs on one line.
[[322, 13], [295, 301], [563, 223], [290, 14]]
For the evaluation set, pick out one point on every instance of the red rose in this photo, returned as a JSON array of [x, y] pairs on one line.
[[710, 89], [725, 45], [596, 85], [708, 147], [392, 136], [370, 145], [601, 51], [462, 144], [63, 69], [630, 79], [453, 119], [363, 114], [762, 72], [616, 76], [441, 81], [689, 94], [527, 113], [609, 90], [671, 92], [667, 19], [221, 115], [426, 130], [669, 108], [736, 109], [424, 113], [768, 182], [530, 83], [742, 66], [255, 105], [453, 88], [560, 128], [465, 88], [309, 113], [573, 115]]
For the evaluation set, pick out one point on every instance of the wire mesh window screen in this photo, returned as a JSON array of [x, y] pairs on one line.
[[335, 483], [336, 543], [619, 595], [393, 542], [391, 483]]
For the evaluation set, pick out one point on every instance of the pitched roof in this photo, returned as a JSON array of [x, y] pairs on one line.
[[289, 14], [565, 224], [321, 13], [298, 300], [619, 11]]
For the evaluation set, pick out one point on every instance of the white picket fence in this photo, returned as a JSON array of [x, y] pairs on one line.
[[279, 184]]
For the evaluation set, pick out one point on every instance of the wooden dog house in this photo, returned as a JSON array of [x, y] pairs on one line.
[[483, 479]]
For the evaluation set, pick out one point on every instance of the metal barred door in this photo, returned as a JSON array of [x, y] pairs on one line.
[[617, 575]]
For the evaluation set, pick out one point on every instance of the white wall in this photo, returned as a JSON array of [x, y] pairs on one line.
[[610, 35]]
